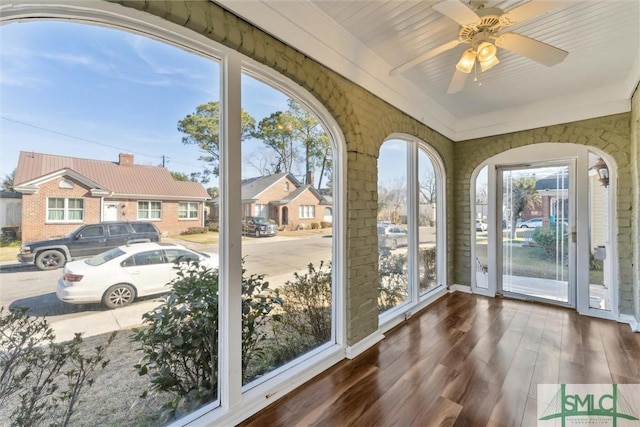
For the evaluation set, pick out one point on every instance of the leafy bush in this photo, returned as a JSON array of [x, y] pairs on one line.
[[325, 224], [392, 280], [428, 267], [180, 342], [303, 322], [547, 238], [315, 226], [42, 379]]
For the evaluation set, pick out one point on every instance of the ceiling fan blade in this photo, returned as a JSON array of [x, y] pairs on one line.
[[533, 49], [457, 11], [529, 10], [457, 82], [428, 55]]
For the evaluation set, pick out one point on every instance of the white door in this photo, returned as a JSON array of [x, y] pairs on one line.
[[110, 211]]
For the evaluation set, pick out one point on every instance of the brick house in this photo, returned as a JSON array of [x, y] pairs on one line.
[[60, 193], [282, 198]]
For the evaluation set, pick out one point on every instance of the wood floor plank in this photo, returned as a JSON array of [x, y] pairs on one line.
[[465, 361]]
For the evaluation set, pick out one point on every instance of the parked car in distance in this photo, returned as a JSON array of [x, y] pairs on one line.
[[118, 276], [530, 223], [481, 225], [259, 226], [392, 236], [87, 240]]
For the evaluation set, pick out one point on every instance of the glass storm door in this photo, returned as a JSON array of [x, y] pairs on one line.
[[537, 242]]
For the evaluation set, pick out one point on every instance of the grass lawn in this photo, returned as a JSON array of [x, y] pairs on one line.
[[10, 252]]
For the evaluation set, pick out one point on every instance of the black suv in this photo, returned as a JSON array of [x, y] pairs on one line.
[[90, 239], [259, 226]]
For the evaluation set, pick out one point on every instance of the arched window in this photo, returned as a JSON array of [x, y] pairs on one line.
[[180, 91], [410, 240]]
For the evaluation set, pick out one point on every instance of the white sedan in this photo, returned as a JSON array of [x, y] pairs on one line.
[[117, 277]]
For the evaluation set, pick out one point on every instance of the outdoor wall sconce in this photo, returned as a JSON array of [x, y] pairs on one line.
[[603, 172]]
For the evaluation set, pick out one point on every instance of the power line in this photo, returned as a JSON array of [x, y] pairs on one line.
[[163, 157]]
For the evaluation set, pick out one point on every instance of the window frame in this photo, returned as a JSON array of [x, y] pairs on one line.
[[65, 209], [149, 210], [234, 403], [306, 212], [415, 300], [189, 211]]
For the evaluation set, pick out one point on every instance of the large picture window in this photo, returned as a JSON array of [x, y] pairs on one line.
[[149, 210], [243, 318], [65, 209]]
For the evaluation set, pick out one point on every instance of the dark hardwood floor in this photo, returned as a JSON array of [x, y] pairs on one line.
[[467, 360]]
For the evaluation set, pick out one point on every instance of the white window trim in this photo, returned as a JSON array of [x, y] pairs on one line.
[[234, 404], [416, 301], [189, 210], [306, 212], [65, 210], [149, 210]]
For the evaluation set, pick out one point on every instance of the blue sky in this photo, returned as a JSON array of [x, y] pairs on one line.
[[93, 92]]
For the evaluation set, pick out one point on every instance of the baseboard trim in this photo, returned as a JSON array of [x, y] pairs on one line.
[[631, 321], [363, 345], [460, 288]]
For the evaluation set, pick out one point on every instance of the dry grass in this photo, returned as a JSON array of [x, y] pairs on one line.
[[10, 252]]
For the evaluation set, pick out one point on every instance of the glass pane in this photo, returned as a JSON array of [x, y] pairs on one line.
[[599, 220], [535, 251], [103, 92], [480, 264], [427, 222], [392, 225], [286, 243]]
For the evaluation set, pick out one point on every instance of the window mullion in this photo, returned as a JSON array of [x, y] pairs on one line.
[[412, 221], [230, 332]]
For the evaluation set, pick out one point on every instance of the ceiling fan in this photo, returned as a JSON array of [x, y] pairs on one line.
[[481, 29]]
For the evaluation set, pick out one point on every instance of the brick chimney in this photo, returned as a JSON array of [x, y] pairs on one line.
[[126, 159]]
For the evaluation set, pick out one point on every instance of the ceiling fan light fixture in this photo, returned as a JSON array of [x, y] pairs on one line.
[[485, 65], [486, 52], [466, 62]]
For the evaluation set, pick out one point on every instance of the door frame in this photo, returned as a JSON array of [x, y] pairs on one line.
[[572, 251], [543, 152]]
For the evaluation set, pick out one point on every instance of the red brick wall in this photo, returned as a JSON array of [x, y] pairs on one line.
[[169, 224], [34, 210]]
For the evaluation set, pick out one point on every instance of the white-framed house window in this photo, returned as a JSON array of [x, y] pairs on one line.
[[149, 210], [306, 211], [63, 209], [188, 210]]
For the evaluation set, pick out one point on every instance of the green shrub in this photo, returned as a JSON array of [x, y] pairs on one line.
[[325, 224], [547, 238], [315, 226], [392, 280], [180, 340]]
